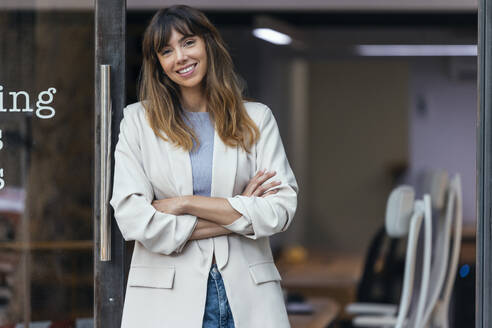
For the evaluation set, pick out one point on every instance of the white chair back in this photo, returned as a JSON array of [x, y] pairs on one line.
[[444, 260], [440, 315], [436, 182], [399, 220], [399, 210]]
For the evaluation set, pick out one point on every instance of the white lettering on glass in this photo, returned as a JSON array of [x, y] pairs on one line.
[[14, 101], [1, 100], [2, 182], [41, 101], [42, 110]]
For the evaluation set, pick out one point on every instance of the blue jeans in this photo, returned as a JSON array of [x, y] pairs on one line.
[[217, 311]]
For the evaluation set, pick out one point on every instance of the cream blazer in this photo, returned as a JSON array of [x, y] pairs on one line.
[[167, 282]]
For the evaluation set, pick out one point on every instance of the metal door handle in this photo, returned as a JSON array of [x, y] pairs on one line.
[[105, 173]]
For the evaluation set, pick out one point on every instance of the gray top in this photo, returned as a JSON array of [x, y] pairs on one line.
[[201, 157]]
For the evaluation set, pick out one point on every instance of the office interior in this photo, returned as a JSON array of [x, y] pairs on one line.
[[366, 100]]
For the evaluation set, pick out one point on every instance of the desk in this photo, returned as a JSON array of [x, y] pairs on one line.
[[333, 275], [325, 312]]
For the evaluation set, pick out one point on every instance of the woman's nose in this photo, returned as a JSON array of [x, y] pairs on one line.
[[180, 56]]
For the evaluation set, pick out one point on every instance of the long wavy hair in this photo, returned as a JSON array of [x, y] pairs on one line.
[[222, 87]]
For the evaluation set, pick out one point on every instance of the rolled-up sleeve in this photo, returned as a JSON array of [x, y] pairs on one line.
[[265, 216], [133, 195]]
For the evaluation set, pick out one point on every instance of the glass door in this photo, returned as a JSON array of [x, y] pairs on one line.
[[46, 164], [62, 70]]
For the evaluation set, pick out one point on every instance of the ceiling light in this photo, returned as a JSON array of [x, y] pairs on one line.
[[416, 50], [272, 36]]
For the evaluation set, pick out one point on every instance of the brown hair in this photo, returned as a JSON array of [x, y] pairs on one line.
[[222, 87]]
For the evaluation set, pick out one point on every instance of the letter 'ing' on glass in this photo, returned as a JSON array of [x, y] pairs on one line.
[[42, 110]]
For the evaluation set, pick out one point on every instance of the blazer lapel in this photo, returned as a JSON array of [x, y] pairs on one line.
[[224, 166], [182, 172]]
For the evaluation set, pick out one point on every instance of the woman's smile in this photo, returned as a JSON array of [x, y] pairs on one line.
[[187, 71]]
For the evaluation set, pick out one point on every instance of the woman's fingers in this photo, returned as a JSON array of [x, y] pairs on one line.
[[257, 181], [251, 184], [271, 192], [155, 204], [265, 177], [259, 173], [261, 189]]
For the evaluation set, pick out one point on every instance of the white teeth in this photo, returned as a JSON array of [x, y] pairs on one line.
[[186, 70]]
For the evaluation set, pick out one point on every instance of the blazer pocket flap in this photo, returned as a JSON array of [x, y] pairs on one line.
[[263, 272], [153, 277]]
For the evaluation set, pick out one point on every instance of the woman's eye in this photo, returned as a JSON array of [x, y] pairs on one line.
[[165, 52], [189, 42]]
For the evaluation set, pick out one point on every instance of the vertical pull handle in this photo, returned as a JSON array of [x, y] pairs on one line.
[[105, 169]]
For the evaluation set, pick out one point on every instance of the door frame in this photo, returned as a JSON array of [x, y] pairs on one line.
[[110, 49], [484, 168]]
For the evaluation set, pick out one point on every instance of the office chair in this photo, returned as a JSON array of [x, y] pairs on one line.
[[404, 216], [436, 182], [383, 270], [378, 288], [444, 266]]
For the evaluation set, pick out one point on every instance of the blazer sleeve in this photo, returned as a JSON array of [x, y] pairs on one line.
[[133, 195], [265, 216]]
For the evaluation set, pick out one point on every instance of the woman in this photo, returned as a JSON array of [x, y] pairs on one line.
[[191, 186]]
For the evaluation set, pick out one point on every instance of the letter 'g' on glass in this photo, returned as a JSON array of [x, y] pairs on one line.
[[39, 104]]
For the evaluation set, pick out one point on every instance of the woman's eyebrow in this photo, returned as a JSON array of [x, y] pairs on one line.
[[185, 37], [181, 39]]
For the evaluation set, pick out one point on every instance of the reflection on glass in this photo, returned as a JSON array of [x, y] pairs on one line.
[[46, 154]]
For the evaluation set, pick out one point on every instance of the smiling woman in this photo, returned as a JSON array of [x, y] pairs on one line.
[[192, 186]]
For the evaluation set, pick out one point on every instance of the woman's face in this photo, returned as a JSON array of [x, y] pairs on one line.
[[184, 60]]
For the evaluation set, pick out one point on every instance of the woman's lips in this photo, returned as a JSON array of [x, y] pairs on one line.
[[188, 73]]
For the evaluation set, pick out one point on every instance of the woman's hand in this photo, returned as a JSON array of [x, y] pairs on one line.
[[173, 205], [256, 187]]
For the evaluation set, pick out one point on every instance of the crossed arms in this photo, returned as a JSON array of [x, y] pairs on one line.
[[214, 213]]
